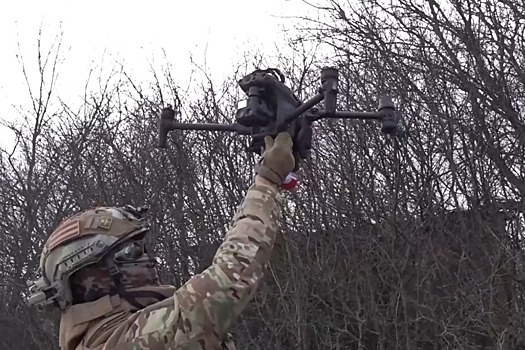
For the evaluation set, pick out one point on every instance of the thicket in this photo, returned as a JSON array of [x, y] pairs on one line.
[[407, 243]]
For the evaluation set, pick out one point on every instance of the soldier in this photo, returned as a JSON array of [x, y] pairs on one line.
[[96, 270]]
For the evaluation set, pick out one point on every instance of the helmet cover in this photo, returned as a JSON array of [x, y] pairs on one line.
[[79, 241]]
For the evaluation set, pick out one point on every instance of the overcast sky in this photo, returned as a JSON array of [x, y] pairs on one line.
[[132, 32]]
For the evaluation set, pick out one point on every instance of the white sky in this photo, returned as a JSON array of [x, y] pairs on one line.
[[133, 33]]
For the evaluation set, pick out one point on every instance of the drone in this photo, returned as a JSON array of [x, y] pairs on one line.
[[271, 107]]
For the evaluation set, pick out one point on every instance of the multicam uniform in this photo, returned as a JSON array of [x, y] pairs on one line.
[[155, 317]]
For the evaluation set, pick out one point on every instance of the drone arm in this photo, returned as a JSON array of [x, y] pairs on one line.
[[348, 115], [167, 124], [386, 114], [304, 107], [241, 130]]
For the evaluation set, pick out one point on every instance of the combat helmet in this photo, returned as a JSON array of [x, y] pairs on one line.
[[81, 240]]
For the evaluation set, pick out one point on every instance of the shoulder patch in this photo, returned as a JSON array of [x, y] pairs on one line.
[[105, 222]]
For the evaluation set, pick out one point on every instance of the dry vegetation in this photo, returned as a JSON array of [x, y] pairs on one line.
[[409, 243]]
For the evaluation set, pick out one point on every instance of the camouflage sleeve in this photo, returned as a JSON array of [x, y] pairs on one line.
[[203, 309], [210, 302]]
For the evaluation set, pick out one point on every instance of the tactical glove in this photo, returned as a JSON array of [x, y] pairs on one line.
[[277, 159]]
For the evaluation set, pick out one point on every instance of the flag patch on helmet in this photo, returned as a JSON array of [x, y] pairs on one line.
[[63, 233]]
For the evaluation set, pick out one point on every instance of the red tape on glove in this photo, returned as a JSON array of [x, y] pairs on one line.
[[289, 182]]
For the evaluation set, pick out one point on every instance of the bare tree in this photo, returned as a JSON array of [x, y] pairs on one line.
[[405, 243]]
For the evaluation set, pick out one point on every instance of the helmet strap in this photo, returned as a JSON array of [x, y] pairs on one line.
[[116, 276]]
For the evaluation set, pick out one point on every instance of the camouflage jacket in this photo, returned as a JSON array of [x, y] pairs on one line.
[[197, 315]]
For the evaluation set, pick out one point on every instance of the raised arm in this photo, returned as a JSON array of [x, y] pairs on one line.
[[203, 309], [210, 302]]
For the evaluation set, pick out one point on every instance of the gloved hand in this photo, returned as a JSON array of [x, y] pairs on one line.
[[277, 159]]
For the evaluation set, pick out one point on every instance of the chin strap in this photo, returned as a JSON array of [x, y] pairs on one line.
[[131, 297]]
